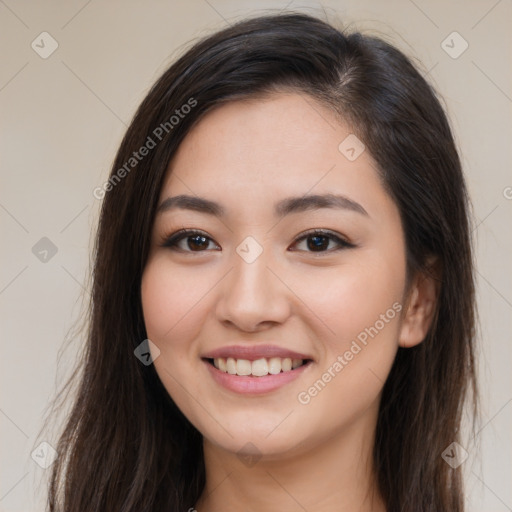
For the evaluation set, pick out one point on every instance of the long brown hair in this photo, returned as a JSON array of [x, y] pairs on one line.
[[125, 445]]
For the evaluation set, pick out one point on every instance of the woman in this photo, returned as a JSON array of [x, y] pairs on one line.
[[283, 299]]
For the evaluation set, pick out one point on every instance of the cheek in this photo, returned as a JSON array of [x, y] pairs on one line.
[[171, 300], [173, 310], [352, 299], [359, 307]]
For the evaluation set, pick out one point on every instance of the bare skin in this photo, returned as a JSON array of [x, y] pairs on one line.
[[292, 448]]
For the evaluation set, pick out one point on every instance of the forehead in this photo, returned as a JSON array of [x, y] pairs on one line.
[[268, 148], [274, 129]]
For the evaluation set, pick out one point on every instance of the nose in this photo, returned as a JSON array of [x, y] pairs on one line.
[[253, 296]]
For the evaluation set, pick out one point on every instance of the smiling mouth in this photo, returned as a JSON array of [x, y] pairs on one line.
[[259, 367]]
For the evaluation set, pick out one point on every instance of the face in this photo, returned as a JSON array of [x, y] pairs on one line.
[[277, 316]]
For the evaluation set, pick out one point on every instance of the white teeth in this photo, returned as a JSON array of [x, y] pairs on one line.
[[243, 367], [230, 366], [257, 368], [274, 365], [286, 364]]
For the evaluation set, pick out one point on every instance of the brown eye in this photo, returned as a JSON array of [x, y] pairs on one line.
[[319, 240], [199, 242], [196, 241]]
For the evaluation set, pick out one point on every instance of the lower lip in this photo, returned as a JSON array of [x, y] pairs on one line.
[[255, 385]]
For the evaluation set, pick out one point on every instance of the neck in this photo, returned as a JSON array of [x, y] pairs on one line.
[[335, 474]]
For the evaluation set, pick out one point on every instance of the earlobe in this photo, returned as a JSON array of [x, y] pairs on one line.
[[421, 305]]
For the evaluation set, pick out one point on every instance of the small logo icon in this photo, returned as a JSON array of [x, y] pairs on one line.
[[147, 352], [249, 454], [44, 45], [454, 455], [44, 455], [44, 250], [351, 147], [249, 250], [454, 45]]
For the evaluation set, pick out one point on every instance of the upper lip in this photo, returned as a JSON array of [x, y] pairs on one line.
[[254, 352]]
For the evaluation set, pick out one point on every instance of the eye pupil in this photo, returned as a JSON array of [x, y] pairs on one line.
[[319, 242], [197, 240], [193, 241]]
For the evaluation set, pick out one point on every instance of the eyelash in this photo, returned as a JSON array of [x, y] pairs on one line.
[[171, 241]]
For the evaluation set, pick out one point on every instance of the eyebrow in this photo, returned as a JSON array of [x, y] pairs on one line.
[[282, 208]]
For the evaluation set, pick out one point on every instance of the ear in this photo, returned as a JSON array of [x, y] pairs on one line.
[[421, 304]]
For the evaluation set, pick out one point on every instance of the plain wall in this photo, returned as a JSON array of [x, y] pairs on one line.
[[62, 118]]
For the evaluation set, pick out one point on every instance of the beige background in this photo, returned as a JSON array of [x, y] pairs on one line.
[[61, 122]]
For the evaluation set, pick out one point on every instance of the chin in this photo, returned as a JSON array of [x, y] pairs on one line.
[[269, 438], [256, 446]]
